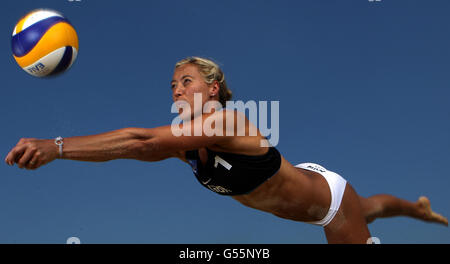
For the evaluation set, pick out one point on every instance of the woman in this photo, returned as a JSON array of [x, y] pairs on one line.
[[238, 166]]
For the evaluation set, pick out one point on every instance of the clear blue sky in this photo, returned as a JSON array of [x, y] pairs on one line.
[[363, 90]]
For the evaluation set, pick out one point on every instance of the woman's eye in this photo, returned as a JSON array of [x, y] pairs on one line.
[[186, 81]]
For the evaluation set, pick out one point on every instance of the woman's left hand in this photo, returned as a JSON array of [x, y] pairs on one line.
[[32, 153]]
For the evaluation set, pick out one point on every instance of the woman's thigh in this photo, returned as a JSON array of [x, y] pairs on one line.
[[349, 225]]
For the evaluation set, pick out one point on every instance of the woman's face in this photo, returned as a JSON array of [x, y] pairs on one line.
[[188, 81]]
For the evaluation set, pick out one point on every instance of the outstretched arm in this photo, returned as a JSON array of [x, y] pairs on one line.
[[32, 153], [146, 144]]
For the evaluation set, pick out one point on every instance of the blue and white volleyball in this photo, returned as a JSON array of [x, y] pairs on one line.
[[44, 43]]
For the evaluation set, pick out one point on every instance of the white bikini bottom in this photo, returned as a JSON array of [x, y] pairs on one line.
[[337, 187]]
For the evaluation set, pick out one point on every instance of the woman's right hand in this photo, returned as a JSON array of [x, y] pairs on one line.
[[32, 153]]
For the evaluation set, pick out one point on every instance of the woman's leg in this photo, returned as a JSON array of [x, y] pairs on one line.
[[384, 205], [349, 225]]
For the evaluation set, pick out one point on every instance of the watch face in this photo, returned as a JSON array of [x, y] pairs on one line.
[[59, 141]]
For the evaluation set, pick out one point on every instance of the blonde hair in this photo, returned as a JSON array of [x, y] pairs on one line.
[[211, 72]]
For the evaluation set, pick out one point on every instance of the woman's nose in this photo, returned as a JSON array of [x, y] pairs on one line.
[[178, 91]]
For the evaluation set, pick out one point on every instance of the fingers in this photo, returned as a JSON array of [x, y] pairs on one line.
[[26, 157], [15, 154], [34, 163]]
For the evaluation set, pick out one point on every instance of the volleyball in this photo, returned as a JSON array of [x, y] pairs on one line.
[[44, 43]]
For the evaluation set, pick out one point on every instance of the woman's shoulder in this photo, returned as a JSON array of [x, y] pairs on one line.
[[242, 136]]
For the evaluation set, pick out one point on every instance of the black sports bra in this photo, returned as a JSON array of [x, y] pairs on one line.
[[234, 174]]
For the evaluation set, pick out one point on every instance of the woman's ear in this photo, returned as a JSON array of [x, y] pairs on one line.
[[214, 89]]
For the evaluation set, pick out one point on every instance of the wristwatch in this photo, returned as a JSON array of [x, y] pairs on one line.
[[59, 141]]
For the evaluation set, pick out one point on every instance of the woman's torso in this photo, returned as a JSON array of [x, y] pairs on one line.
[[289, 193], [230, 173]]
